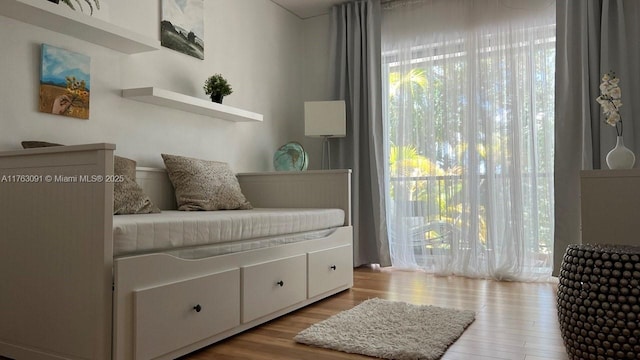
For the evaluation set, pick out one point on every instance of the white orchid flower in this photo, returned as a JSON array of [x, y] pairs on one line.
[[615, 93], [609, 99]]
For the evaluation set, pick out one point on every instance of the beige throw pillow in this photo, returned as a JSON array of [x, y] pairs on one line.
[[204, 185]]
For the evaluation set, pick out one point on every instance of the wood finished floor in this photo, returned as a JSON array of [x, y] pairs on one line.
[[514, 321]]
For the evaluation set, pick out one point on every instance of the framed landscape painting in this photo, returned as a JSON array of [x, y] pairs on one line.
[[64, 82], [182, 26]]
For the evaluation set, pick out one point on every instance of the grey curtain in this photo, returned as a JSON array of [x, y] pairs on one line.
[[356, 78], [593, 37]]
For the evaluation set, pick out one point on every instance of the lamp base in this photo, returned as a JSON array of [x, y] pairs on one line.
[[326, 145]]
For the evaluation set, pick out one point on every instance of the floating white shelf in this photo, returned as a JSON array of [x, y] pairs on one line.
[[161, 97], [54, 17]]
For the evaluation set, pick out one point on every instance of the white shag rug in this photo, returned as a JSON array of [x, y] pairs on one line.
[[390, 330]]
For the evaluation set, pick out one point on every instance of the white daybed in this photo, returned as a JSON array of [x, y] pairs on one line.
[[65, 295]]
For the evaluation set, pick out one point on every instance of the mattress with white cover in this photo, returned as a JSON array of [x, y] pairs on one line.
[[223, 231]]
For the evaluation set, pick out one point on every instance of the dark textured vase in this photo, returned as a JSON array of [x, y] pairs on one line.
[[216, 98]]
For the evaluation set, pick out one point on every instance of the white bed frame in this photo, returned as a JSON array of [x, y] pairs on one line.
[[64, 296]]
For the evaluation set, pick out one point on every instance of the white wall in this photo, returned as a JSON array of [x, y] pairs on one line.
[[273, 60], [315, 73]]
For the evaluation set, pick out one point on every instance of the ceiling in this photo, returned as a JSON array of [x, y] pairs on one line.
[[305, 9]]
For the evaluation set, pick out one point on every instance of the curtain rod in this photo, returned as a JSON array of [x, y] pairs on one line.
[[390, 4]]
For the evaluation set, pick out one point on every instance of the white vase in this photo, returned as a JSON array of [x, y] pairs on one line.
[[620, 157]]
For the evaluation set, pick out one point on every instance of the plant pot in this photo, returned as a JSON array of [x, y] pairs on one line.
[[216, 98]]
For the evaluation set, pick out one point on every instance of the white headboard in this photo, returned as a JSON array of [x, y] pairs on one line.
[[276, 189], [156, 184]]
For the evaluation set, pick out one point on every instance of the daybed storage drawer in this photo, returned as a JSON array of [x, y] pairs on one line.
[[172, 316], [329, 269], [271, 286]]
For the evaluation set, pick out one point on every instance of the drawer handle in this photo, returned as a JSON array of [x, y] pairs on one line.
[[281, 283], [332, 267], [197, 308]]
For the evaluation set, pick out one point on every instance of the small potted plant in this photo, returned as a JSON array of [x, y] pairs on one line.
[[217, 87]]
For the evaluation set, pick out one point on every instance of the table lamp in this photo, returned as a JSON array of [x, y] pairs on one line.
[[325, 119]]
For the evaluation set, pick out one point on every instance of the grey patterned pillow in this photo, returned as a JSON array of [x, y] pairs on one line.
[[31, 144], [129, 198], [204, 185], [124, 166]]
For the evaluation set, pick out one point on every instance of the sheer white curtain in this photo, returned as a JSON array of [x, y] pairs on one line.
[[469, 114]]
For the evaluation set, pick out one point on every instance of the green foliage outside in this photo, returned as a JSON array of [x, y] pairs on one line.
[[430, 150]]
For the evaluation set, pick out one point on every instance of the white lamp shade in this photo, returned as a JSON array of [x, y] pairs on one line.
[[325, 119]]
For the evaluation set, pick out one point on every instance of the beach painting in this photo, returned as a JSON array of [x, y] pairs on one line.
[[182, 26], [64, 82]]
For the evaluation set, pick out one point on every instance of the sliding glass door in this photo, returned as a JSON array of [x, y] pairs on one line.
[[469, 118]]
